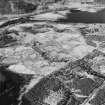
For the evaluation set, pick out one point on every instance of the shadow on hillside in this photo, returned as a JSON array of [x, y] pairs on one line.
[[84, 17]]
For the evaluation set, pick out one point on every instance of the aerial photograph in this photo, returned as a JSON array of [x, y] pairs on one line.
[[52, 52]]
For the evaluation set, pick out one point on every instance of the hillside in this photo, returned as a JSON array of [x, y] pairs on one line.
[[52, 52]]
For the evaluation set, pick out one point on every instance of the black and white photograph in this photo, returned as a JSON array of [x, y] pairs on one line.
[[52, 52]]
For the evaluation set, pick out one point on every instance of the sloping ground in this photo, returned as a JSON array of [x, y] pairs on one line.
[[16, 8], [24, 6], [46, 62]]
